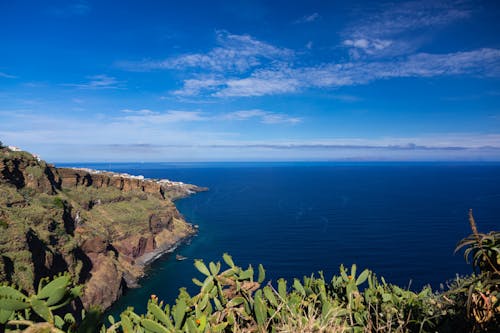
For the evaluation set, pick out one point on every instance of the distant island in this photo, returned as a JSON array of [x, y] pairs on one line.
[[102, 227]]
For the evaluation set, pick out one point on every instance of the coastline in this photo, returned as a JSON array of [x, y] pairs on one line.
[[168, 232], [147, 259], [103, 227]]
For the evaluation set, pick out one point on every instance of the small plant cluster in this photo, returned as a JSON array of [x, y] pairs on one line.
[[234, 299]]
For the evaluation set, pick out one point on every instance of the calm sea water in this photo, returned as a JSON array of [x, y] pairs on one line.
[[400, 220]]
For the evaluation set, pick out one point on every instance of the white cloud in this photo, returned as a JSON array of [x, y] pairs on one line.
[[308, 18], [242, 66], [193, 87], [371, 46], [265, 83], [235, 53], [101, 81], [384, 31], [481, 62], [146, 116], [264, 117], [245, 114]]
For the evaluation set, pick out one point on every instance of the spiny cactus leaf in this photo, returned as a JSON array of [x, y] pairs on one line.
[[153, 326], [202, 324], [69, 318], [208, 284], [204, 302], [298, 287], [247, 275], [191, 326], [349, 289], [201, 267], [214, 269], [11, 304], [353, 270], [76, 291], [159, 314], [56, 296], [235, 301], [260, 310], [362, 277], [126, 324], [282, 288], [262, 274], [218, 305], [197, 282], [41, 308], [219, 327], [228, 260], [179, 312], [9, 292], [213, 292], [134, 317], [59, 282], [5, 315], [59, 322], [269, 294]]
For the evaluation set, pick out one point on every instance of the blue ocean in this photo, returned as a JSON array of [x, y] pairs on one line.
[[402, 220]]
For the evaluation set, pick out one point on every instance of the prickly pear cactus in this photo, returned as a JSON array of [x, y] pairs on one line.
[[18, 310]]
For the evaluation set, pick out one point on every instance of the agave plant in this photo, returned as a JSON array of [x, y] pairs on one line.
[[483, 290], [484, 249]]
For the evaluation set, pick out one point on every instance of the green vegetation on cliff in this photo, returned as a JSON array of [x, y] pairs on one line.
[[98, 226]]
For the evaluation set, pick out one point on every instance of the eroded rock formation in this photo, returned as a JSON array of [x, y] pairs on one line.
[[101, 226]]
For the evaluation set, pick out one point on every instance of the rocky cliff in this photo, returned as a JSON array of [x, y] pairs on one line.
[[103, 227]]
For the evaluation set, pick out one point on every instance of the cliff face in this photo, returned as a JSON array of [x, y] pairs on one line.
[[101, 226]]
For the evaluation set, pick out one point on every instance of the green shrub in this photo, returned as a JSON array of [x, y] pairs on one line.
[[35, 171], [58, 203]]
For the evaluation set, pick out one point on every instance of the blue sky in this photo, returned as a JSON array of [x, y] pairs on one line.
[[251, 80]]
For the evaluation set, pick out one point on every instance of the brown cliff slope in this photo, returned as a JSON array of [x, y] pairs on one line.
[[101, 226]]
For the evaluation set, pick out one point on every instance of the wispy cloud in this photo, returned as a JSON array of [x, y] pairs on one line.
[[379, 42], [101, 81], [7, 76], [234, 53], [308, 18], [384, 30], [146, 116], [269, 82], [264, 117], [193, 87], [481, 63]]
